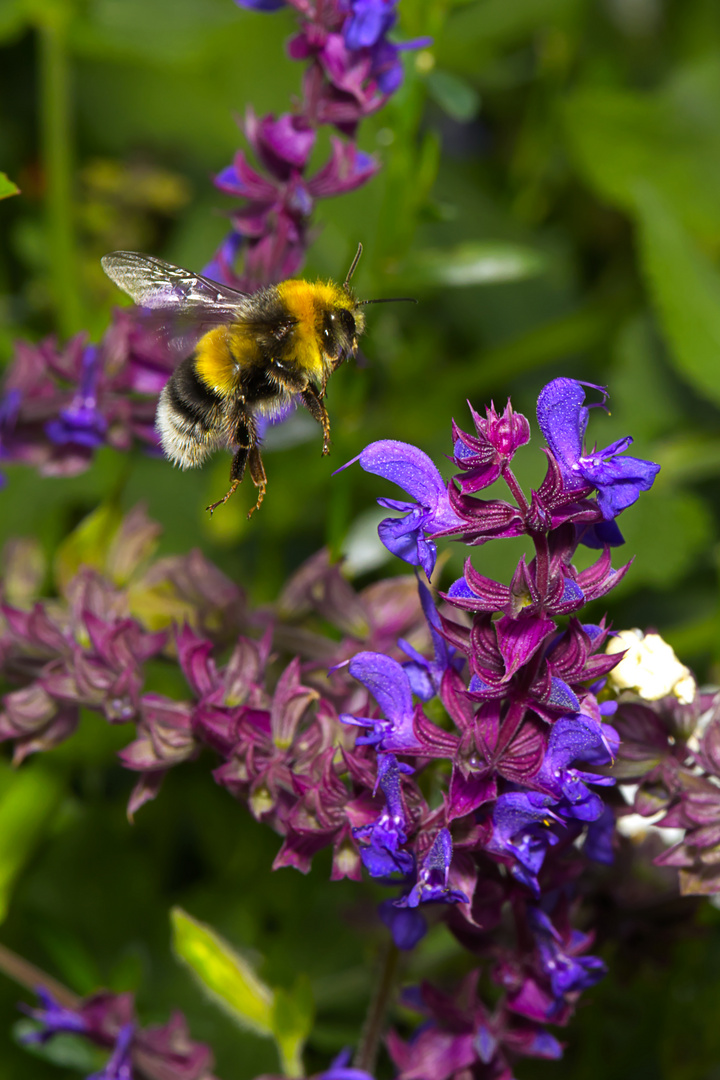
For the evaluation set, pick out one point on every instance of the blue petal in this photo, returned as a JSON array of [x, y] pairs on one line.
[[598, 842], [572, 593], [387, 682], [406, 925], [261, 5], [563, 420], [603, 534], [366, 23], [406, 466], [562, 697]]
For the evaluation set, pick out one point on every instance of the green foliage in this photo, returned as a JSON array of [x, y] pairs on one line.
[[28, 803], [286, 1016], [685, 288], [669, 137], [7, 187], [224, 974], [472, 264], [292, 1021]]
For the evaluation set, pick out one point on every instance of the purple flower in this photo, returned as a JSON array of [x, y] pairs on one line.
[[578, 738], [432, 881], [387, 681], [221, 266], [10, 404], [431, 513], [598, 844], [567, 972], [520, 831], [406, 925], [82, 423], [341, 1069], [462, 1038], [563, 420], [109, 1020], [261, 5], [53, 1017], [280, 145], [369, 20], [481, 457], [278, 202], [119, 1064], [380, 841], [426, 675], [366, 29]]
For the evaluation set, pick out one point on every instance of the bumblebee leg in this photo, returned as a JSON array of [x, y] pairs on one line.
[[237, 471], [317, 410], [259, 479]]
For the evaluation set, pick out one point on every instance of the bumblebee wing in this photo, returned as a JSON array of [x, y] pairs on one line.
[[159, 285]]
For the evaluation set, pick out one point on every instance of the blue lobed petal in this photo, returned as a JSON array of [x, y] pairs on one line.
[[386, 681], [366, 23], [563, 418], [406, 466], [261, 5], [406, 925]]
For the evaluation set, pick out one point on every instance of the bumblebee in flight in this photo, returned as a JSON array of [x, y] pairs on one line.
[[259, 353]]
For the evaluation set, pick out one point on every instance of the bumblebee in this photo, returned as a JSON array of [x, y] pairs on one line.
[[259, 353]]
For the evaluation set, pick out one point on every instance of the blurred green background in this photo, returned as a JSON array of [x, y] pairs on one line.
[[550, 192]]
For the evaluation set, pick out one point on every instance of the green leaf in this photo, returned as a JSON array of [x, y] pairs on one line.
[[478, 31], [174, 31], [227, 977], [639, 374], [685, 289], [28, 801], [473, 263], [14, 18], [88, 544], [7, 187], [670, 138], [454, 95], [694, 637], [292, 1020], [689, 458], [668, 532], [551, 342]]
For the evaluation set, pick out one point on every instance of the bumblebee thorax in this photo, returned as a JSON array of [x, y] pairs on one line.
[[327, 323]]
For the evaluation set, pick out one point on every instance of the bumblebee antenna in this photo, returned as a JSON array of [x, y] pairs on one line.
[[353, 267], [384, 300], [390, 300]]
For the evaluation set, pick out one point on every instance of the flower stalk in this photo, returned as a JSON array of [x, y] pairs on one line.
[[374, 1026]]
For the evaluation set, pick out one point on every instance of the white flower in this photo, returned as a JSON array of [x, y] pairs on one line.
[[649, 667]]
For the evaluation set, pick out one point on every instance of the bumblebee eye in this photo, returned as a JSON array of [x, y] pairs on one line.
[[347, 322]]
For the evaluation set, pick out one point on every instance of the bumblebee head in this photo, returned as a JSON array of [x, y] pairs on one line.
[[340, 330]]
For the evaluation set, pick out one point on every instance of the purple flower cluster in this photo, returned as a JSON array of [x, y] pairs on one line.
[[165, 1052], [60, 405], [352, 69], [670, 754], [88, 647], [458, 753], [277, 203], [526, 745]]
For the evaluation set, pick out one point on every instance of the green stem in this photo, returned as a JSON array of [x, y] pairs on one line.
[[375, 1020], [57, 159]]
